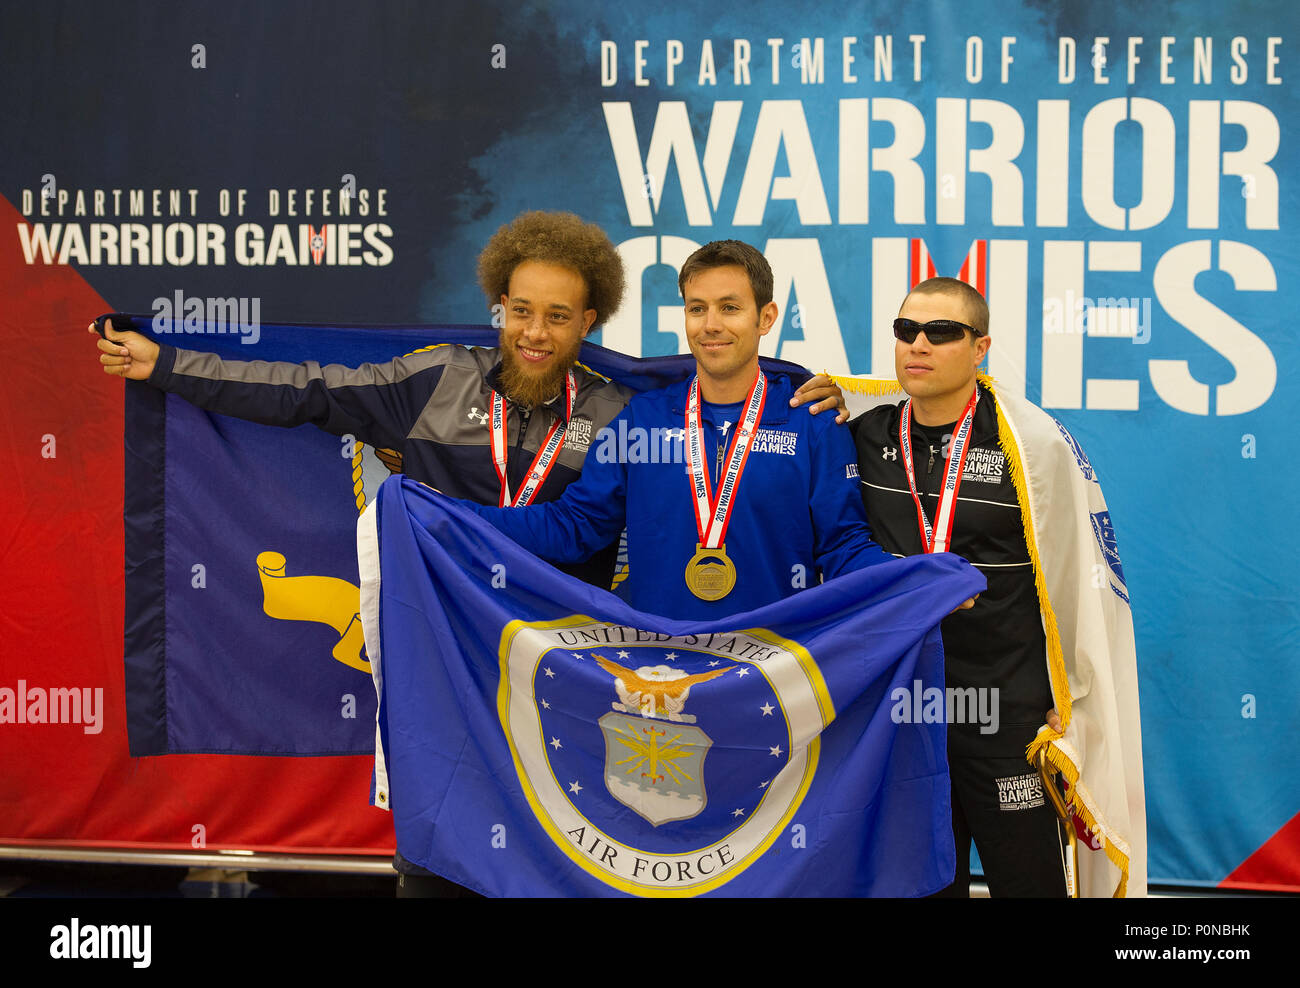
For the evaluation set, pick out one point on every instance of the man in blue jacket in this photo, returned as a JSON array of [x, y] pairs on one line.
[[731, 498]]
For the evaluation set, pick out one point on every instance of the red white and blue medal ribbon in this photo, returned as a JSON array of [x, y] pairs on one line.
[[542, 462], [712, 517], [938, 538]]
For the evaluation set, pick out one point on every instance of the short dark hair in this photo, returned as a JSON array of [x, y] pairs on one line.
[[557, 238], [723, 253], [977, 309]]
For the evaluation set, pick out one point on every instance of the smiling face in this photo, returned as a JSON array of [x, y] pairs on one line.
[[545, 321], [938, 377], [723, 327]]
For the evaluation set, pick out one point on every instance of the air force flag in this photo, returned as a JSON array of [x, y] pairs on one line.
[[537, 736]]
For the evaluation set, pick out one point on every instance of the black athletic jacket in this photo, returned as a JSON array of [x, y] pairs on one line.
[[1000, 641]]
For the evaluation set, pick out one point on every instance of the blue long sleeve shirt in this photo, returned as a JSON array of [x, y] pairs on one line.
[[798, 516]]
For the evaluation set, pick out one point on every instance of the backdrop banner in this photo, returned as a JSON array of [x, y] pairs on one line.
[[1112, 176]]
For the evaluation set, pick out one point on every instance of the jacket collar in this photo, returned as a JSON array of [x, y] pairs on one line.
[[985, 426], [776, 406], [556, 404]]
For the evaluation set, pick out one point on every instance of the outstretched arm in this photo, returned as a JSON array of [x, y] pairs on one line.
[[377, 403]]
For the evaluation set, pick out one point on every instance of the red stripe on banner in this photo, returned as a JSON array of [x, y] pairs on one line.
[[922, 263], [62, 627], [974, 269], [1274, 866]]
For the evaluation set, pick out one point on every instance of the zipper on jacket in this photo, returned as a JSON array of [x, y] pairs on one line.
[[722, 451], [524, 414]]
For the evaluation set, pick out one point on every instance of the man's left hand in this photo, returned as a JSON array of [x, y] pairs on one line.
[[1054, 721], [826, 393], [965, 605]]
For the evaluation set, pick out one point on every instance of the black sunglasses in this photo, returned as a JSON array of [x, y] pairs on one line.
[[937, 331]]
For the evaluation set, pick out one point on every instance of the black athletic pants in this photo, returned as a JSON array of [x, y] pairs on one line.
[[1000, 803]]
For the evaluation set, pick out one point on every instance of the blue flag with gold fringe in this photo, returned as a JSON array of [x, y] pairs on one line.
[[537, 736]]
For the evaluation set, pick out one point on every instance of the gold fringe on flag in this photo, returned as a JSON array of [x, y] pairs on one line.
[[864, 385], [1055, 655], [1061, 762]]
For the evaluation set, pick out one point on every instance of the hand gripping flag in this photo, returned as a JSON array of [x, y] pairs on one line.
[[537, 736]]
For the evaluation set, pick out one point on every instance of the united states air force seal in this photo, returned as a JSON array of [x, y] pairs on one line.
[[662, 766]]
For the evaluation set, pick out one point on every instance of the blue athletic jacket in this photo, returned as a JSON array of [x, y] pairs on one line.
[[798, 515]]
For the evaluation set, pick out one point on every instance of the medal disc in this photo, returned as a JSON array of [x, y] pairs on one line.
[[710, 580]]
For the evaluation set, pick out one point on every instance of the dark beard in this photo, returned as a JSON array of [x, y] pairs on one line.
[[531, 390]]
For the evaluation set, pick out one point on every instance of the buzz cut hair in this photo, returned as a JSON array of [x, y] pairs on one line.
[[725, 253], [977, 310], [555, 238]]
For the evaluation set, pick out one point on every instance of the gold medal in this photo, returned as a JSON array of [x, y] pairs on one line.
[[710, 580], [714, 580]]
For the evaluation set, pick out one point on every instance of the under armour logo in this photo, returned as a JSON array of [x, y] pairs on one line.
[[476, 416], [888, 453], [675, 434]]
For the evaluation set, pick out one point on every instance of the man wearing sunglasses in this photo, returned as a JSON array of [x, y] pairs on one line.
[[936, 479]]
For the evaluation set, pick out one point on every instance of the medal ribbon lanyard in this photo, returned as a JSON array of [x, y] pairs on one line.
[[712, 517], [542, 462], [938, 539]]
